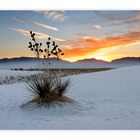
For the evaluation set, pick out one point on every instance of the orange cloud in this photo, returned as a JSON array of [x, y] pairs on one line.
[[89, 45]]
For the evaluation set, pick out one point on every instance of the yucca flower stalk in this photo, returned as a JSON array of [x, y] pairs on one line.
[[52, 49], [56, 51], [35, 46]]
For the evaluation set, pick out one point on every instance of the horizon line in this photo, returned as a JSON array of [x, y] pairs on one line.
[[71, 61]]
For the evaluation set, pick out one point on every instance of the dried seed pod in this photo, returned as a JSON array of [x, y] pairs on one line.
[[41, 50], [48, 43], [59, 50], [37, 44], [53, 43], [62, 53], [36, 50], [28, 46], [55, 53], [32, 35]]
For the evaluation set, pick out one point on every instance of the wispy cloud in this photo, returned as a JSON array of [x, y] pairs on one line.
[[22, 31], [19, 19], [97, 26], [45, 26], [119, 19], [38, 24], [135, 20], [38, 34], [111, 15], [55, 15]]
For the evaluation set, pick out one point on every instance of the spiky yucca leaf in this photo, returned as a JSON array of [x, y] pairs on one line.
[[40, 85], [61, 87], [47, 91]]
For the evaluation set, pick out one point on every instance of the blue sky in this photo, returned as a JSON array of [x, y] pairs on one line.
[[71, 29]]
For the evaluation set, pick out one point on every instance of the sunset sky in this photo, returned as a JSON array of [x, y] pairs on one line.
[[105, 35]]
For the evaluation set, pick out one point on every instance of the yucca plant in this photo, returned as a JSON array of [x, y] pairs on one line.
[[47, 91]]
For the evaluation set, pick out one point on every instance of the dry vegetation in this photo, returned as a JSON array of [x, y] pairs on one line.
[[47, 91], [67, 71]]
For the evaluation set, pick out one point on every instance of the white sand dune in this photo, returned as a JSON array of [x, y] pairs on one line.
[[107, 100]]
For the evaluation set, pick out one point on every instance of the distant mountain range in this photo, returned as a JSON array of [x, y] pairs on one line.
[[124, 59], [91, 60], [127, 59], [26, 59], [30, 62]]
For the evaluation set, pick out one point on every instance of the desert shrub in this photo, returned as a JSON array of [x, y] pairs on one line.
[[47, 91]]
